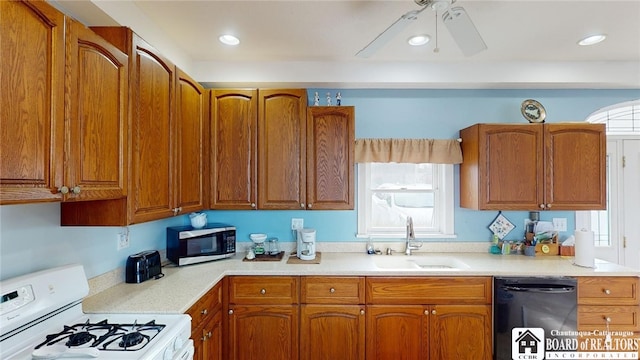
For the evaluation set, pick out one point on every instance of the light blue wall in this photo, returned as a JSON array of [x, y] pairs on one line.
[[31, 239]]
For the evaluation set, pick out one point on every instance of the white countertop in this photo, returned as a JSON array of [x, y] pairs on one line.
[[181, 287]]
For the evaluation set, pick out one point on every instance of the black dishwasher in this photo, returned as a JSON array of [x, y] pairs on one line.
[[529, 310]]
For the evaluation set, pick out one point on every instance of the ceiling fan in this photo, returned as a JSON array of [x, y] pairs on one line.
[[454, 18]]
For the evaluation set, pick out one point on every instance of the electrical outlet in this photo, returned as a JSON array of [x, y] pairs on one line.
[[297, 224], [122, 241], [560, 224]]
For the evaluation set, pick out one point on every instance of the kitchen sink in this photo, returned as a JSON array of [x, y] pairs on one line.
[[419, 263]]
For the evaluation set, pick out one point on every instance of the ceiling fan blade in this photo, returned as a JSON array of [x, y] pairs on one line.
[[463, 31], [389, 33]]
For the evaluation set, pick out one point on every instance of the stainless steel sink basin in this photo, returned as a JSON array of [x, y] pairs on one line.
[[419, 263]]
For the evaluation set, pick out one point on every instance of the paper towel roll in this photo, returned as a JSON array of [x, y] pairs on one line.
[[585, 248]]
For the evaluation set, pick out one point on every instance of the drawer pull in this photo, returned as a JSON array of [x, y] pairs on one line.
[[607, 319], [607, 291], [204, 312], [332, 290], [263, 291]]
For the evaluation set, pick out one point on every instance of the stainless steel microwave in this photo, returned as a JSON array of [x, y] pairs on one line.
[[187, 245]]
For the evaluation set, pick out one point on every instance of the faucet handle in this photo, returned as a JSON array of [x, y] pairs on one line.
[[390, 251]]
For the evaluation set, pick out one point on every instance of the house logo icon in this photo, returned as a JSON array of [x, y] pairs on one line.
[[527, 343]]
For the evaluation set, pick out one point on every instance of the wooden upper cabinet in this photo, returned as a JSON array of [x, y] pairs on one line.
[[192, 125], [96, 116], [575, 166], [152, 81], [533, 167], [234, 127], [282, 115], [330, 153], [31, 102]]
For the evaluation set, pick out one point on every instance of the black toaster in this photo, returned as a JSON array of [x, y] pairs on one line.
[[143, 266]]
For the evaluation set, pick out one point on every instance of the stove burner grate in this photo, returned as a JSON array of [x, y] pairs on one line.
[[106, 336]]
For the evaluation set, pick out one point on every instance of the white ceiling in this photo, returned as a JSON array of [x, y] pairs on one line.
[[530, 43]]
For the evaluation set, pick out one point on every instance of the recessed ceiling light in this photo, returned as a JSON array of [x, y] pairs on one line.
[[592, 40], [418, 40], [229, 39]]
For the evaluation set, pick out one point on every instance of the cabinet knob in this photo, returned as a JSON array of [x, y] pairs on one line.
[[263, 291], [361, 311], [63, 190], [253, 205], [541, 206], [426, 312], [607, 291], [309, 206], [548, 206], [230, 312], [433, 312], [204, 312], [209, 335], [302, 205], [76, 189], [332, 290], [607, 319], [203, 339]]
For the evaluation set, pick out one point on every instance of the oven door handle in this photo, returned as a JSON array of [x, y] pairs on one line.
[[186, 353]]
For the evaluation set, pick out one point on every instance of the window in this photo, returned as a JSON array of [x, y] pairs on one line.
[[390, 192]]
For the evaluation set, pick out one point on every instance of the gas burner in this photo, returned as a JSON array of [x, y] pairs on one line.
[[106, 336]]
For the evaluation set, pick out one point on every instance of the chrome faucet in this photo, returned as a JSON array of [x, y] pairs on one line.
[[411, 238]]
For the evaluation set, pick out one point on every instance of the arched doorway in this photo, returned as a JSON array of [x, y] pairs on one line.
[[617, 229]]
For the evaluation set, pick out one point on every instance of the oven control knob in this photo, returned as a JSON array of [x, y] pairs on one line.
[[168, 353], [177, 345]]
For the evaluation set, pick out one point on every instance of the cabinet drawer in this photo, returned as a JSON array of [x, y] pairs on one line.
[[608, 290], [263, 290], [332, 290], [206, 305], [428, 290], [619, 317]]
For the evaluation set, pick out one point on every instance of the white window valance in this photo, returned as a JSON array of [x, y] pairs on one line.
[[408, 151]]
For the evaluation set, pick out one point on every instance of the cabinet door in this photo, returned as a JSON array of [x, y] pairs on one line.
[[191, 157], [152, 90], [263, 332], [460, 332], [96, 116], [212, 347], [332, 332], [32, 102], [234, 119], [330, 151], [282, 118], [397, 332], [502, 167], [575, 166]]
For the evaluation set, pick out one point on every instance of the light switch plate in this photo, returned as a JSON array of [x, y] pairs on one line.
[[560, 224]]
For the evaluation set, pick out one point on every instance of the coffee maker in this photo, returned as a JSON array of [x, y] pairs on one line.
[[306, 244]]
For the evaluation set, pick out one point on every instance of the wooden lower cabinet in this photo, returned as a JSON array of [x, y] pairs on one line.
[[608, 305], [332, 332], [428, 332], [206, 325], [263, 332], [207, 339]]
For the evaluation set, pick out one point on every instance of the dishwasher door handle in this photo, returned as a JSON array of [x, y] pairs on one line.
[[541, 289]]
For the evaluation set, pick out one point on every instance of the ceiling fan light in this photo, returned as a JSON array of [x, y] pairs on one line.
[[229, 40], [418, 40], [592, 40]]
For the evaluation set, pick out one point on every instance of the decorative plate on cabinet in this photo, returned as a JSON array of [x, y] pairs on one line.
[[533, 111]]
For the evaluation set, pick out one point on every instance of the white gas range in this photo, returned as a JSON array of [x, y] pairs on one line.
[[41, 317]]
